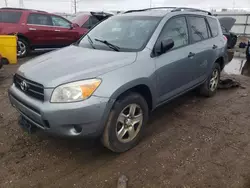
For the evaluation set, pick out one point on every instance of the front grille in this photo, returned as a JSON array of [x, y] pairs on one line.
[[29, 87]]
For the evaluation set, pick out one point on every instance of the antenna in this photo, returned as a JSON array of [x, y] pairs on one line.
[[21, 4], [6, 3]]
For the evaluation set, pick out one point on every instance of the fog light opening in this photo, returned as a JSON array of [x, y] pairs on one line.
[[77, 129], [46, 124]]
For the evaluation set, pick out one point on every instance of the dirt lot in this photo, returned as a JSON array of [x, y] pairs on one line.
[[191, 142]]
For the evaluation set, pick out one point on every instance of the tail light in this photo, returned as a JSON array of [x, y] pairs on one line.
[[225, 38]]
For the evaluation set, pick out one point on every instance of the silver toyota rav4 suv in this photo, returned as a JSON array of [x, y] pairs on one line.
[[107, 83]]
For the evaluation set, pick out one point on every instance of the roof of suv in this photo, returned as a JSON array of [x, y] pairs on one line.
[[22, 9], [162, 11]]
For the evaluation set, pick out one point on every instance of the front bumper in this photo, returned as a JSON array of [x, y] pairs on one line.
[[79, 119]]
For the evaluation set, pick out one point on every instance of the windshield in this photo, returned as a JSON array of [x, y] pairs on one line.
[[125, 33]]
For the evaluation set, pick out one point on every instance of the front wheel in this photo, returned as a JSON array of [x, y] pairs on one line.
[[209, 88], [126, 123]]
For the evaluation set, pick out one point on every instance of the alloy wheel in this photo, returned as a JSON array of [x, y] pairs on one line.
[[21, 48], [129, 123], [214, 80]]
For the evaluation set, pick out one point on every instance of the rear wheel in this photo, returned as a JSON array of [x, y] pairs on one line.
[[126, 123], [22, 47], [209, 88]]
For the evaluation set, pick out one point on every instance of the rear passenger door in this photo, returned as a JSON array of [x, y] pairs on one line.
[[202, 46], [40, 30]]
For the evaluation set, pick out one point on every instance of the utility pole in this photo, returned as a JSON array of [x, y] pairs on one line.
[[74, 5], [6, 3], [21, 4]]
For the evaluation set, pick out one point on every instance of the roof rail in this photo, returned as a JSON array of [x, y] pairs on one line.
[[9, 8], [174, 9], [146, 9], [191, 10]]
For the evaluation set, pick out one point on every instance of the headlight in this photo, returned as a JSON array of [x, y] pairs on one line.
[[75, 91]]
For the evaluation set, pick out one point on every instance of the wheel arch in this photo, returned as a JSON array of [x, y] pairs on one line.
[[221, 62], [140, 86]]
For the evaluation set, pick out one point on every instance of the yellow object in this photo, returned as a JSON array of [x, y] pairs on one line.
[[8, 48]]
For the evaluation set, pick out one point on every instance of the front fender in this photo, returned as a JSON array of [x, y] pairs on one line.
[[132, 84]]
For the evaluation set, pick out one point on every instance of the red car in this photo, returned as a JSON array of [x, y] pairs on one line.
[[38, 29]]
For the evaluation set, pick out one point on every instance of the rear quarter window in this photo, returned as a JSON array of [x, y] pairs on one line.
[[10, 17], [213, 26]]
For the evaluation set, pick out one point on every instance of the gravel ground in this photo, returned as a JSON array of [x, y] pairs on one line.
[[190, 142]]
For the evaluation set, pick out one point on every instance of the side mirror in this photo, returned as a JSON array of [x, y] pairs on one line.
[[163, 46], [73, 25]]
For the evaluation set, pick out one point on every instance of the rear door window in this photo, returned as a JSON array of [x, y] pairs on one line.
[[10, 17], [213, 23], [40, 19], [198, 28]]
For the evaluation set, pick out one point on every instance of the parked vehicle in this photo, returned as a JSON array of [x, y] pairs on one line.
[[226, 24], [38, 29], [89, 20], [119, 72]]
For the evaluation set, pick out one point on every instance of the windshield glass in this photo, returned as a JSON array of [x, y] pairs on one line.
[[126, 33]]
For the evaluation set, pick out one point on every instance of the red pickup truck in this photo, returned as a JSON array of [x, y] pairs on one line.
[[38, 29]]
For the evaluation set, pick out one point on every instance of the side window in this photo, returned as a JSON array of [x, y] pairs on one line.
[[60, 22], [198, 28], [10, 17], [93, 21], [176, 29], [86, 24], [39, 19], [214, 26]]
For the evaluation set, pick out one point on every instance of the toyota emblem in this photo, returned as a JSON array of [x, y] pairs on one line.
[[24, 86]]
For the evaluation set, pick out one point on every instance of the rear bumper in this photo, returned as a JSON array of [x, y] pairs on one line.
[[80, 119]]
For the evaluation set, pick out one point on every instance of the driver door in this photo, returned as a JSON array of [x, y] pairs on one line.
[[174, 68]]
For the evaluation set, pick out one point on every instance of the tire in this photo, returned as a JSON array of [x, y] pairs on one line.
[[114, 126], [233, 42], [206, 89], [22, 48]]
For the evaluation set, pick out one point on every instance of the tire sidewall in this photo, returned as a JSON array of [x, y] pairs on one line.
[[118, 107], [215, 66], [26, 45]]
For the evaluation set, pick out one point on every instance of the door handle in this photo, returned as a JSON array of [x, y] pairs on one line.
[[214, 46], [191, 54], [57, 30], [32, 29]]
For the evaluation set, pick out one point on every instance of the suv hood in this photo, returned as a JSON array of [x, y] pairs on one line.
[[73, 63], [227, 22]]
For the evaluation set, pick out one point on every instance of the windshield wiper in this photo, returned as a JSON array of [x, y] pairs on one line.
[[110, 45], [90, 41]]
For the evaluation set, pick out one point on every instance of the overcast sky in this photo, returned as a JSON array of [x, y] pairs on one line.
[[87, 5]]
